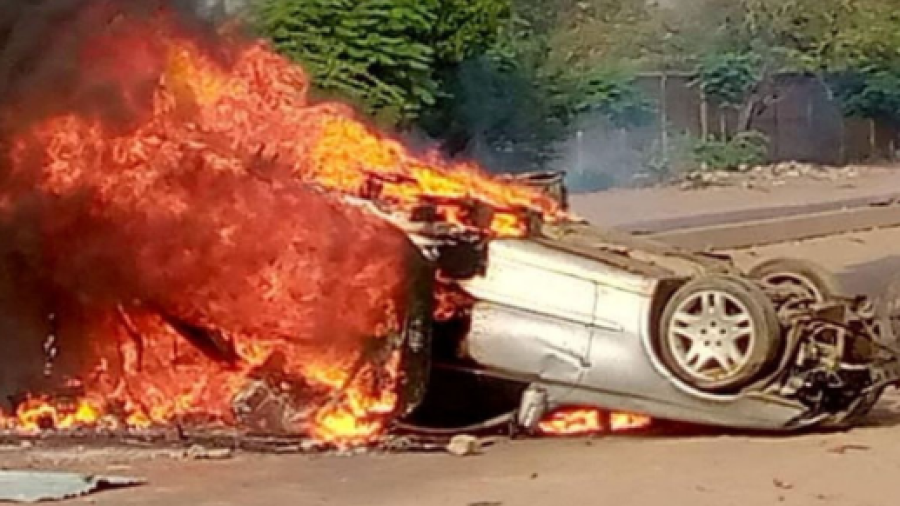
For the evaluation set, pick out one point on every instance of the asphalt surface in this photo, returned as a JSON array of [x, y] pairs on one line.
[[865, 262], [855, 468], [657, 209]]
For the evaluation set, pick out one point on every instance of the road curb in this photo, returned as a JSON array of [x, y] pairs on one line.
[[779, 212], [778, 230]]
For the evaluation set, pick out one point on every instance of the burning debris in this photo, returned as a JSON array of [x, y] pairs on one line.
[[177, 196]]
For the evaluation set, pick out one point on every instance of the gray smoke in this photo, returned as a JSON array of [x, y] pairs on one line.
[[599, 155]]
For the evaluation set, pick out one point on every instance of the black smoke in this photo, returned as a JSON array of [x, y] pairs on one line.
[[42, 52]]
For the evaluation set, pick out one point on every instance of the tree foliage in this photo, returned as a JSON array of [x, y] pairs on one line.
[[734, 46], [515, 105], [385, 55], [729, 77], [507, 80], [613, 95], [506, 107], [746, 149], [869, 92], [853, 45], [467, 28], [864, 71]]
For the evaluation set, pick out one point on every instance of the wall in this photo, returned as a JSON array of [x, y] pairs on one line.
[[803, 123]]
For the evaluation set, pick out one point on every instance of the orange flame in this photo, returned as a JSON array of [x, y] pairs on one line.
[[579, 422], [202, 199], [36, 414]]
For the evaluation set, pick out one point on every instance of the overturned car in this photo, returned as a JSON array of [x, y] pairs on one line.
[[585, 317]]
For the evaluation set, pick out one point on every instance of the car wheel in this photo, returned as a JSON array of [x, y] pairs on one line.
[[814, 280], [717, 333]]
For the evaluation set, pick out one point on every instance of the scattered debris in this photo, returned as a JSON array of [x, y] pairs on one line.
[[842, 449], [38, 486], [401, 444], [888, 202], [551, 182], [762, 177], [198, 452], [702, 179], [219, 444], [463, 445], [783, 485]]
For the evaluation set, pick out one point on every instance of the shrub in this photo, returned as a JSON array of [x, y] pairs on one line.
[[743, 150]]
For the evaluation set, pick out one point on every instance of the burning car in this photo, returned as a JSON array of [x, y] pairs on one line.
[[207, 246], [590, 317]]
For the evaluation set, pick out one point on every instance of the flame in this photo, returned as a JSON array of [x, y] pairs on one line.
[[620, 422], [37, 414], [575, 422], [579, 422], [180, 187], [449, 302]]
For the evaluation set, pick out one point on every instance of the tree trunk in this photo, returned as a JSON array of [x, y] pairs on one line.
[[763, 95]]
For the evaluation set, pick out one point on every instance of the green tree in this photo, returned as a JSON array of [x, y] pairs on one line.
[[864, 70], [738, 46], [853, 45], [384, 55], [613, 95], [512, 107], [728, 77], [467, 28], [504, 107]]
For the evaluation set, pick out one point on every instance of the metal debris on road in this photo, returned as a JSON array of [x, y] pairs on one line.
[[462, 446], [198, 452], [842, 449], [783, 485], [39, 486]]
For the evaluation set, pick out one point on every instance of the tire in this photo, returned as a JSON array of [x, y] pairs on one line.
[[818, 282], [718, 333]]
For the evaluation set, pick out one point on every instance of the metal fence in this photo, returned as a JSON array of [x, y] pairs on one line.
[[802, 123]]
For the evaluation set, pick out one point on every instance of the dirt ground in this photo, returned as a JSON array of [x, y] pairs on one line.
[[854, 468]]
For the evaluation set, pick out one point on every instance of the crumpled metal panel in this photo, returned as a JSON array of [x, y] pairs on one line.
[[523, 342], [41, 486]]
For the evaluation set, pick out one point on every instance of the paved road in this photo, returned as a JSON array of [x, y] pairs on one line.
[[858, 468], [656, 209], [706, 471], [865, 261]]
